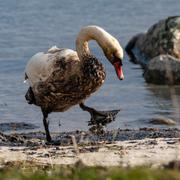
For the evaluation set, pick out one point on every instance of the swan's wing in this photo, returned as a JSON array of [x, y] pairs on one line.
[[42, 66]]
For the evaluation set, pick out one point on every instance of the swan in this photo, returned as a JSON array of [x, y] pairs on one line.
[[62, 78]]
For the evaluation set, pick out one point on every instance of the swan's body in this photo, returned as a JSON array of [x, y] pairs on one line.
[[59, 81], [62, 78]]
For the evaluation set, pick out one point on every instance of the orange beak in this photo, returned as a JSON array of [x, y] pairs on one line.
[[119, 71]]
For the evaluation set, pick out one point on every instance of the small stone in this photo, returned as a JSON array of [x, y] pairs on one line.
[[163, 120]]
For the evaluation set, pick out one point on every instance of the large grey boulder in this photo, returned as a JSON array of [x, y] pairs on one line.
[[158, 51], [163, 69]]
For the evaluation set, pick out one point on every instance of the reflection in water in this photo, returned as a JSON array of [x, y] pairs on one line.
[[166, 100], [165, 92]]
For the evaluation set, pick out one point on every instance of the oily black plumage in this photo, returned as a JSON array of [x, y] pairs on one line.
[[57, 93]]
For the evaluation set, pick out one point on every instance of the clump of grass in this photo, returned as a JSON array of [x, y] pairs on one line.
[[30, 170]]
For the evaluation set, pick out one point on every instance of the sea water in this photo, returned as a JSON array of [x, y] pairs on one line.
[[28, 27]]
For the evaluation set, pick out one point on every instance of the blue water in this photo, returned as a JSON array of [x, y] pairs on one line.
[[27, 27]]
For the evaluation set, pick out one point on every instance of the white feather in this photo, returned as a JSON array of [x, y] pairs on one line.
[[53, 49], [41, 65], [38, 68]]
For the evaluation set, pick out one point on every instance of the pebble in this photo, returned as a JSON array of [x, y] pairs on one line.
[[163, 120]]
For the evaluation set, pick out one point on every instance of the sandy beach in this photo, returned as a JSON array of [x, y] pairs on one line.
[[126, 148]]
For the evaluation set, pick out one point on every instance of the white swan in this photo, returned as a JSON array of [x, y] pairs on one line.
[[62, 78]]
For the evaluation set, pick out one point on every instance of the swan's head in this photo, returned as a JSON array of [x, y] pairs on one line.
[[114, 53], [107, 42]]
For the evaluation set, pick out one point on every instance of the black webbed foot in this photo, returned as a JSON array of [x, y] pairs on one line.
[[102, 117], [99, 118]]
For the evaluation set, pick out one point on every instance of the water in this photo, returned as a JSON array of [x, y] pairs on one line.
[[27, 27]]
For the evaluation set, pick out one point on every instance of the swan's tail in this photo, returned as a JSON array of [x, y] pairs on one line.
[[30, 98]]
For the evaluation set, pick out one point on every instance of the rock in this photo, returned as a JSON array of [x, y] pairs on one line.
[[163, 69], [155, 48], [131, 44], [163, 120], [162, 38]]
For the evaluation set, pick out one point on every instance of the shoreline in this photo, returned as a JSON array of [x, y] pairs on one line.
[[126, 148]]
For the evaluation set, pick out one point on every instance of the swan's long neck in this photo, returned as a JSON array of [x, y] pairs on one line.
[[91, 33]]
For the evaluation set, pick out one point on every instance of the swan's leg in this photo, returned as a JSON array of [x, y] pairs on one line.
[[99, 117], [46, 125]]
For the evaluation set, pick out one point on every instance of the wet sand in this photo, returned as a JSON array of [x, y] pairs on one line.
[[127, 148]]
